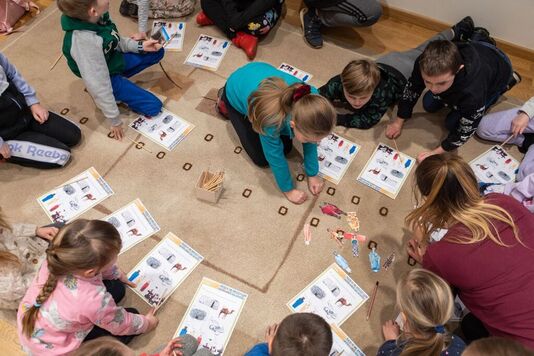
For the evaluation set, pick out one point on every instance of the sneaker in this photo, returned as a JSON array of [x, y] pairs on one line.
[[220, 106], [311, 26], [463, 29], [128, 9], [480, 34], [247, 43], [514, 80], [527, 142]]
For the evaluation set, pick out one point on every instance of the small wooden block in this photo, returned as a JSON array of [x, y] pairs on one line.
[[383, 211], [355, 200], [140, 145], [300, 177], [411, 261], [331, 191], [282, 210], [372, 244], [238, 149], [314, 222], [111, 135], [83, 120], [187, 166], [160, 154], [246, 193], [208, 137], [65, 111]]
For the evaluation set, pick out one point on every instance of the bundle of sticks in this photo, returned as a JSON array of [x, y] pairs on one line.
[[212, 181]]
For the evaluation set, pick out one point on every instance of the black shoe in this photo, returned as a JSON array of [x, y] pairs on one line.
[[463, 29], [527, 142], [311, 26], [480, 34], [128, 9], [514, 80]]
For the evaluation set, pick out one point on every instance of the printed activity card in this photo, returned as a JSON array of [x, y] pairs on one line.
[[495, 166], [294, 71], [172, 34], [343, 345], [335, 155], [208, 52]]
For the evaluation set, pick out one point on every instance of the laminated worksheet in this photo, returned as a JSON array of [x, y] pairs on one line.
[[387, 170], [333, 295], [134, 223], [335, 155], [166, 129], [172, 34], [342, 344], [294, 71], [73, 198], [163, 269], [495, 166], [208, 52], [212, 315]]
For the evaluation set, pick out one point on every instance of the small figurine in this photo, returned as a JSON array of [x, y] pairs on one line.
[[374, 260], [355, 248], [307, 234], [389, 261], [353, 221], [331, 209]]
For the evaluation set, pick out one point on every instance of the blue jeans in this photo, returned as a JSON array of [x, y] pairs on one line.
[[137, 99]]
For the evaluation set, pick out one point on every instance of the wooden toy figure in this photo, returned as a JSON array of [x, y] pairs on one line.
[[331, 209]]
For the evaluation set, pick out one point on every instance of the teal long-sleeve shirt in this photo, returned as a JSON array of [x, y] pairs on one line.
[[240, 85]]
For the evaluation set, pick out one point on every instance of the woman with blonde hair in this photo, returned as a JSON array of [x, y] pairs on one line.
[[22, 249], [487, 252], [268, 108], [73, 297], [426, 305]]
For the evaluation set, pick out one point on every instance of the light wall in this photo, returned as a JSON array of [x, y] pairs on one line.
[[509, 20]]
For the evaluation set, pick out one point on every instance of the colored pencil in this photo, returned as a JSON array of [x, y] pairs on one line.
[[375, 291]]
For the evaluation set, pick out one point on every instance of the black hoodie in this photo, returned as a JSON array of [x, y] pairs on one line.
[[485, 74]]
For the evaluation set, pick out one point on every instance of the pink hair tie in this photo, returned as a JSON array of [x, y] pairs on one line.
[[301, 91]]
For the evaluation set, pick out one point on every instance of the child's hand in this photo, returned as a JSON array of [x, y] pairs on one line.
[[151, 319], [40, 114], [519, 123], [296, 196], [315, 184], [118, 132], [138, 36], [124, 279], [169, 350], [151, 45], [391, 330], [394, 128], [5, 151], [269, 335], [416, 250], [47, 233]]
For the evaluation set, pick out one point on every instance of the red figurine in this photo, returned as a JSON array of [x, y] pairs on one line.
[[331, 209]]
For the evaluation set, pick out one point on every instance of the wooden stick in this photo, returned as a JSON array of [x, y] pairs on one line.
[[169, 41], [397, 149], [139, 143], [375, 291], [506, 141], [55, 62]]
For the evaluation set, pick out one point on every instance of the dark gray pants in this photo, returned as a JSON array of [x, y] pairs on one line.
[[351, 13]]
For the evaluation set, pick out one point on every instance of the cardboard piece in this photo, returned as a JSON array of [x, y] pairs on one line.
[[495, 166]]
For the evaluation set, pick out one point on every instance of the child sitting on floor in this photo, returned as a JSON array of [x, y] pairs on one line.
[[30, 135], [73, 297], [496, 346], [426, 304], [96, 53], [300, 334], [268, 108], [22, 249]]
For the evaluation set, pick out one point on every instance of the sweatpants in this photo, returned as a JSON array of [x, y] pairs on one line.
[[33, 144], [250, 139], [253, 24], [350, 13], [138, 99], [117, 290], [404, 61]]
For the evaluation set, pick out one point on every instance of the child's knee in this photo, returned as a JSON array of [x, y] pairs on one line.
[[74, 136], [373, 14], [153, 106], [430, 104], [158, 56]]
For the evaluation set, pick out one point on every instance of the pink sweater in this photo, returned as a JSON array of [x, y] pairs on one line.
[[71, 311]]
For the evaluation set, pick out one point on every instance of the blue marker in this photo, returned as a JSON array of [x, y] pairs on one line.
[[342, 262], [225, 44], [48, 197], [298, 302], [183, 331], [407, 164], [180, 26], [305, 78], [352, 149], [134, 275]]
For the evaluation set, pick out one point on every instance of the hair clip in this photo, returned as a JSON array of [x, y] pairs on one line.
[[440, 329], [301, 91], [37, 305]]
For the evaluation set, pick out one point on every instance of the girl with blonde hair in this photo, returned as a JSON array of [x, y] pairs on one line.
[[22, 249], [73, 297], [426, 305], [487, 252], [268, 108]]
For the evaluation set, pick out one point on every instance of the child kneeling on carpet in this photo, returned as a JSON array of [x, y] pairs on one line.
[[73, 297], [426, 304], [300, 334], [30, 135], [96, 53], [22, 249], [496, 346], [268, 108]]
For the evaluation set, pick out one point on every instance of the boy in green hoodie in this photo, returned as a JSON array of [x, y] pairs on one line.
[[104, 60]]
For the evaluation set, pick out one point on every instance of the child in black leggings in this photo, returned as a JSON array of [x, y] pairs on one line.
[[243, 21], [30, 135]]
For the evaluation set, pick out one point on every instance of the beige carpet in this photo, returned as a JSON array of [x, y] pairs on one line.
[[246, 243]]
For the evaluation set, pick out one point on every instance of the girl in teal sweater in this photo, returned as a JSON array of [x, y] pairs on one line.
[[268, 108]]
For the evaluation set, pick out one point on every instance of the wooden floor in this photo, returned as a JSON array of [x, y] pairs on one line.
[[385, 36]]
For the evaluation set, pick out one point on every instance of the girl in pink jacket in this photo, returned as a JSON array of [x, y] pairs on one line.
[[73, 297]]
